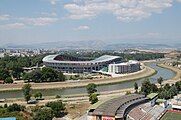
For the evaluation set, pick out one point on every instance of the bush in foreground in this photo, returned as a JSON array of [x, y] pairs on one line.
[[58, 108], [44, 113], [93, 98], [15, 107]]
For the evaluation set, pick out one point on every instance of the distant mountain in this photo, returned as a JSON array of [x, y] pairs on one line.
[[94, 44], [145, 46], [63, 45]]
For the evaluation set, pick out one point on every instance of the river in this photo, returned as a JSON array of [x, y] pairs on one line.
[[165, 73]]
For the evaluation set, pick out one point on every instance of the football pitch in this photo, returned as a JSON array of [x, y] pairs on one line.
[[171, 116]]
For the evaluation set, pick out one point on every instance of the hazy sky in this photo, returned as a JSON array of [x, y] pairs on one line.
[[36, 21]]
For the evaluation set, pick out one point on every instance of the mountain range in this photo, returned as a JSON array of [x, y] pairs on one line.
[[92, 44]]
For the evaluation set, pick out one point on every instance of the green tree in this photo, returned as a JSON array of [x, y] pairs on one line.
[[36, 75], [163, 94], [167, 87], [168, 92], [61, 76], [160, 80], [5, 105], [17, 71], [48, 74], [146, 87], [38, 95], [27, 76], [153, 88], [44, 113], [178, 85], [172, 91], [4, 74], [57, 106], [91, 88], [8, 80], [27, 91], [93, 98], [136, 87], [44, 75]]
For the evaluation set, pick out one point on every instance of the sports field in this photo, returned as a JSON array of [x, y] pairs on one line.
[[172, 116]]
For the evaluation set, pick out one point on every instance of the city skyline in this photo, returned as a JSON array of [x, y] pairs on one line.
[[133, 21]]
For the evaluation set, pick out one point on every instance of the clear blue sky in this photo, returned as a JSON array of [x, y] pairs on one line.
[[127, 21]]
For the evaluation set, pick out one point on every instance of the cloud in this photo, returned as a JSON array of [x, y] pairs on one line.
[[13, 26], [84, 27], [40, 21], [4, 17], [53, 2], [124, 10]]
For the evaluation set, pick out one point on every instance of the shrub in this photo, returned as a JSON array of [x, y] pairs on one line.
[[8, 80], [93, 98], [57, 96], [128, 92], [38, 95], [91, 88], [15, 107], [57, 106], [5, 105], [43, 114]]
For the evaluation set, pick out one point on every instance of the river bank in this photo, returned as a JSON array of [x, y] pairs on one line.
[[146, 72], [177, 71]]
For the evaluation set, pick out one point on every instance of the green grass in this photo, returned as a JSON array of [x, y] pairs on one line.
[[171, 116]]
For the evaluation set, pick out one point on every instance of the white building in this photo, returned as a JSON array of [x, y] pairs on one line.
[[126, 67]]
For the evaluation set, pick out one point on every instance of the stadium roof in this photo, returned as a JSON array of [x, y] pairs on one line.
[[97, 104], [117, 106], [127, 63], [104, 58]]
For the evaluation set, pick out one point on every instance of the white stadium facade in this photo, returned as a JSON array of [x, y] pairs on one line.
[[69, 64], [125, 67]]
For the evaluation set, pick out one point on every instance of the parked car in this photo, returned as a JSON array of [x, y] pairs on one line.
[[32, 101]]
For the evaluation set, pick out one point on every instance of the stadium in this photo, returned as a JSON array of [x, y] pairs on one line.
[[70, 64], [116, 108], [128, 107]]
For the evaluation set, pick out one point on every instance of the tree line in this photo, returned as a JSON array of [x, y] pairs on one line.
[[12, 68], [125, 56], [165, 91], [45, 74]]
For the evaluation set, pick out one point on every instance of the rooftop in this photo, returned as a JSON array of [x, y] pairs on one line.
[[152, 95], [104, 58], [116, 106], [97, 104], [8, 118], [127, 63], [160, 100]]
